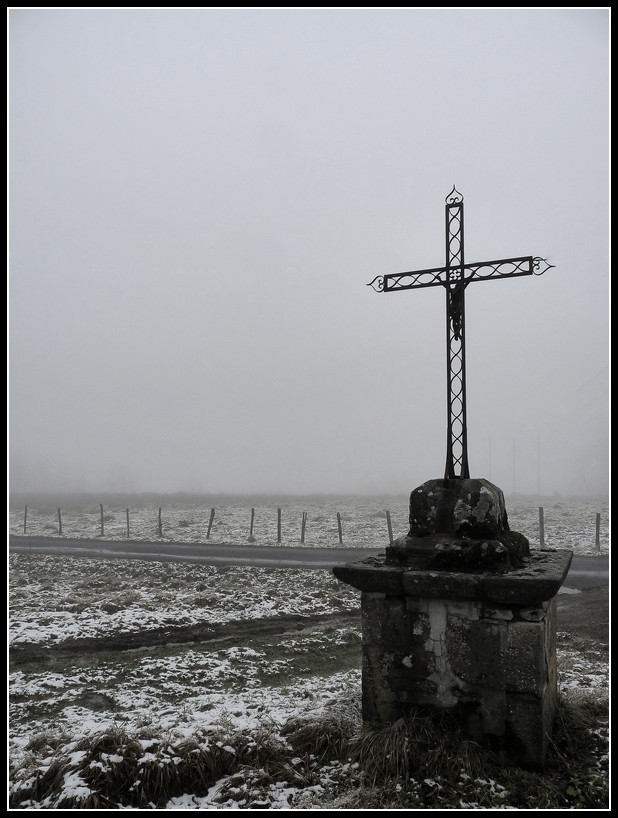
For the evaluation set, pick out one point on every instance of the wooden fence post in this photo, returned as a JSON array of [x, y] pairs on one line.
[[598, 534], [541, 528], [251, 537], [59, 523], [29, 559], [278, 525], [128, 533], [390, 527], [302, 527], [212, 517], [25, 518], [160, 523], [102, 526], [339, 527]]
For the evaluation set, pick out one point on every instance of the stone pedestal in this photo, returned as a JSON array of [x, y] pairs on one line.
[[479, 643]]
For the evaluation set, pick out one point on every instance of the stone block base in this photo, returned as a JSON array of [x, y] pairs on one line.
[[493, 666]]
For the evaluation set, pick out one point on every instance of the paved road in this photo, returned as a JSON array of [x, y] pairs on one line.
[[274, 556], [584, 572]]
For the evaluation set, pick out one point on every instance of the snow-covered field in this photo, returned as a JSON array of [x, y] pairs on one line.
[[568, 523], [171, 653]]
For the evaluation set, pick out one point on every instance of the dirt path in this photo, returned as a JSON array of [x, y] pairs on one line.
[[235, 632]]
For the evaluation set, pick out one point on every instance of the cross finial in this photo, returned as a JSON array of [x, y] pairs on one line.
[[454, 197]]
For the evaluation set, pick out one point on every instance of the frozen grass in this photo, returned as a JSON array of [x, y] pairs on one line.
[[176, 686], [321, 760]]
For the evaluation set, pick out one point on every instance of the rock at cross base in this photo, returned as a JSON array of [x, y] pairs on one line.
[[459, 525]]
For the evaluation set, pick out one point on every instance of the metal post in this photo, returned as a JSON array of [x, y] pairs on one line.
[[212, 517], [457, 443], [541, 528]]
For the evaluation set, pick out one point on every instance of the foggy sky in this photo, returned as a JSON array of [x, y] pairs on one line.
[[199, 197]]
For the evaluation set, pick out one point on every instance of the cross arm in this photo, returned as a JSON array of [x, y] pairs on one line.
[[440, 276], [506, 267], [433, 277]]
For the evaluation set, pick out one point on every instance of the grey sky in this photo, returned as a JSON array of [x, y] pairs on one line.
[[198, 198]]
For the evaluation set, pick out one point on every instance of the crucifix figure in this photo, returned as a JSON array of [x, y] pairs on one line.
[[455, 277]]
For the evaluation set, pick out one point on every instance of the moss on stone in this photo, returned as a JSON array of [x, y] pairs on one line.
[[517, 544]]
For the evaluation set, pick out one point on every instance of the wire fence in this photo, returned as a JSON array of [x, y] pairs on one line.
[[586, 532]]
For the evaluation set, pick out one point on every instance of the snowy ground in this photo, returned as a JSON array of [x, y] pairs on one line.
[[170, 652]]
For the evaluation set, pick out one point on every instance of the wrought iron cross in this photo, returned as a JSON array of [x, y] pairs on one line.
[[455, 277]]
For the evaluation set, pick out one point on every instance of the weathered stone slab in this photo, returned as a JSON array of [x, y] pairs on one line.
[[441, 585], [371, 575], [537, 581]]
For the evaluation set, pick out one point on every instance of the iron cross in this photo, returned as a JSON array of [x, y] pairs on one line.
[[455, 277]]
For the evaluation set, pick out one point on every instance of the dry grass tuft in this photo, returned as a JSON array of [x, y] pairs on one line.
[[325, 735], [46, 740], [420, 746], [426, 760], [112, 769]]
